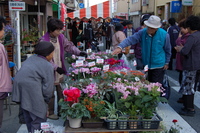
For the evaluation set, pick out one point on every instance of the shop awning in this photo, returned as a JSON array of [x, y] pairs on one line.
[[100, 10]]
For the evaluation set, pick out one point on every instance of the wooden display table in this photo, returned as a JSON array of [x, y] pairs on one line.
[[102, 130]]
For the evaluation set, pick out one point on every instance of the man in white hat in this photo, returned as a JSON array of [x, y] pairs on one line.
[[156, 48]]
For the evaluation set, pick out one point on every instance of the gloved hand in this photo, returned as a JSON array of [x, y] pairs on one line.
[[82, 53], [60, 71]]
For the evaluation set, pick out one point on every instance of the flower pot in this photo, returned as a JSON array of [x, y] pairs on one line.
[[74, 123], [111, 123], [122, 124], [146, 124], [133, 124]]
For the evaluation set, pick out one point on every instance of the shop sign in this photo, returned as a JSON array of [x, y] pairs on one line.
[[187, 2], [175, 6], [17, 6]]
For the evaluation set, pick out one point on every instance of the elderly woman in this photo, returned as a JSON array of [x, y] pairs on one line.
[[61, 45], [33, 86], [5, 77], [191, 64]]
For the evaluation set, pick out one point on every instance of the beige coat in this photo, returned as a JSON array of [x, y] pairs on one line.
[[117, 38]]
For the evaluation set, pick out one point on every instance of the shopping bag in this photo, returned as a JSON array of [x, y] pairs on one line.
[[166, 86]]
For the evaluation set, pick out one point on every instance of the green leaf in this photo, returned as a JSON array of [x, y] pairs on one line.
[[147, 98]]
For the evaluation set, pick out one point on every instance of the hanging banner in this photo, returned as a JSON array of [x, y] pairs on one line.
[[63, 14]]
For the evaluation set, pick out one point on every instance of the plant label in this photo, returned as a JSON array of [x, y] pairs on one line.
[[91, 64], [105, 67], [100, 61], [79, 63]]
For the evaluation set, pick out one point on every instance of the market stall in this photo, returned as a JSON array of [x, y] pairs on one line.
[[103, 89]]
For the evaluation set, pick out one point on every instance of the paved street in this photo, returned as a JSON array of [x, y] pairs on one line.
[[167, 112]]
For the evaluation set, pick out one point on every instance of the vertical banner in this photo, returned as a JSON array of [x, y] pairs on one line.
[[63, 14]]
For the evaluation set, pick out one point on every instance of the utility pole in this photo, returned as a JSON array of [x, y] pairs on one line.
[[88, 5], [128, 9]]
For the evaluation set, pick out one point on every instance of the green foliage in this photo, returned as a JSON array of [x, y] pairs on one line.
[[77, 110], [111, 110], [30, 35]]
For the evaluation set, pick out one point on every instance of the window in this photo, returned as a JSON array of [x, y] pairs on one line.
[[134, 1]]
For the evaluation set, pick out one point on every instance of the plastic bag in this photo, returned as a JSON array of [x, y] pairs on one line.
[[166, 86]]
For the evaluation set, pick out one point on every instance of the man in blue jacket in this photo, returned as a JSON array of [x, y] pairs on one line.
[[156, 48]]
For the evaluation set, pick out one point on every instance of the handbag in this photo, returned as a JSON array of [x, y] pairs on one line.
[[166, 86]]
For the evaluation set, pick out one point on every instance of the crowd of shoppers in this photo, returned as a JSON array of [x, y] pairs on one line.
[[155, 45]]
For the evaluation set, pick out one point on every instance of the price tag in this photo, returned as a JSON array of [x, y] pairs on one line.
[[90, 64], [107, 50], [146, 68], [100, 61], [45, 125], [81, 58], [79, 63], [131, 51], [134, 63], [88, 50], [105, 67]]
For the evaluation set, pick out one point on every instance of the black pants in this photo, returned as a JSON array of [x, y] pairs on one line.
[[32, 121], [156, 75], [188, 101]]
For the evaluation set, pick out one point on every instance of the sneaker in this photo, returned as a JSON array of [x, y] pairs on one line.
[[53, 117], [187, 112]]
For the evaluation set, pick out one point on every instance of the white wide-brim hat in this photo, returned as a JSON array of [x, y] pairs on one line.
[[153, 22]]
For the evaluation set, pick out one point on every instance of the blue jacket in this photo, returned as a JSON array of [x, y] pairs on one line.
[[156, 50], [173, 32]]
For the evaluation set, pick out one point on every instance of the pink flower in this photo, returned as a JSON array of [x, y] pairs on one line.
[[91, 90]]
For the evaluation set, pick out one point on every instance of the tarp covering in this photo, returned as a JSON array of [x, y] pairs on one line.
[[100, 10]]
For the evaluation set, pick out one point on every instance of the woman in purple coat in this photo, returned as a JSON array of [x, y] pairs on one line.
[[61, 45], [183, 35], [5, 77]]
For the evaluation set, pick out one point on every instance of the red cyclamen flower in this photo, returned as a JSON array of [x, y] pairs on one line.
[[174, 120]]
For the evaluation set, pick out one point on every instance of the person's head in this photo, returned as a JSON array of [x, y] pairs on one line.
[[129, 25], [2, 25], [153, 23], [44, 49], [172, 21], [193, 23], [55, 27], [119, 27], [182, 26], [144, 18]]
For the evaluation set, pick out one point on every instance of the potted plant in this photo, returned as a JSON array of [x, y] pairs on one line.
[[133, 117], [123, 121], [10, 32], [112, 117], [71, 108]]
